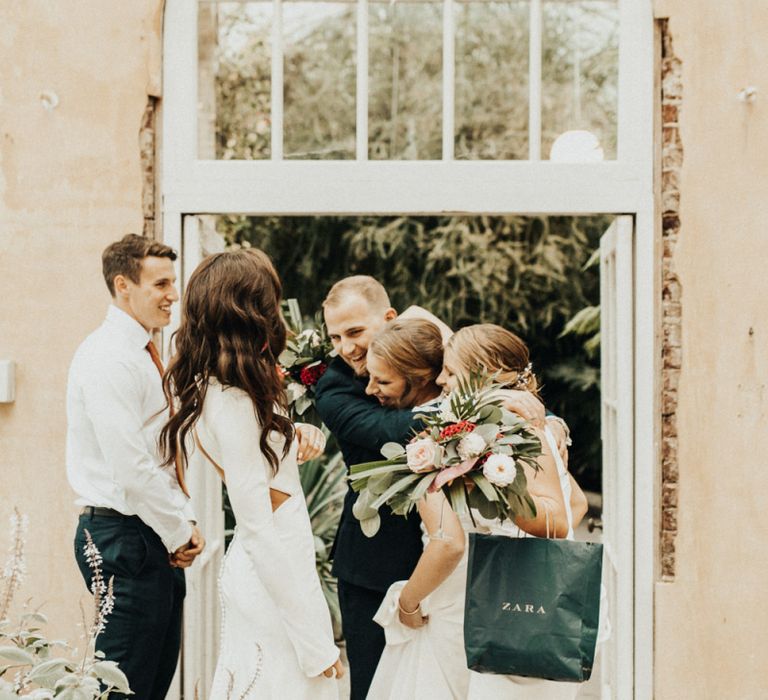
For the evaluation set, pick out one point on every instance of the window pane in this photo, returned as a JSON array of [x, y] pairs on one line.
[[405, 57], [319, 80], [580, 68], [491, 109], [234, 100]]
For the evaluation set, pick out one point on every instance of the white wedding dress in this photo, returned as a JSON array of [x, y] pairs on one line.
[[276, 635], [429, 663]]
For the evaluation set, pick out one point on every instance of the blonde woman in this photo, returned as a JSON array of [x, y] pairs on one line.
[[423, 617], [497, 350], [490, 347]]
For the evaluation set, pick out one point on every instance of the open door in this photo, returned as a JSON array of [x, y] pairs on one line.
[[617, 383], [202, 615]]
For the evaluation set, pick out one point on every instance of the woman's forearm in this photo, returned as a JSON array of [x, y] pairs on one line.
[[551, 519], [437, 562], [442, 553]]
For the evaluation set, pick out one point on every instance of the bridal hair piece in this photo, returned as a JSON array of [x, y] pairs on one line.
[[524, 377]]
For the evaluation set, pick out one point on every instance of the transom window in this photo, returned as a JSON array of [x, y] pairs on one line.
[[408, 80]]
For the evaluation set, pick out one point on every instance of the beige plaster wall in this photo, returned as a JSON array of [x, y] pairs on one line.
[[712, 621], [70, 183]]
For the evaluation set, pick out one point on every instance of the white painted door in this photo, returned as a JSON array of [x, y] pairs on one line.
[[202, 617], [617, 377]]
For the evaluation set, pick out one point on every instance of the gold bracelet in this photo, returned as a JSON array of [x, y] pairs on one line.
[[405, 612]]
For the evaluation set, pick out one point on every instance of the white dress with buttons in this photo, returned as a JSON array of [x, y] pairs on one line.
[[276, 631]]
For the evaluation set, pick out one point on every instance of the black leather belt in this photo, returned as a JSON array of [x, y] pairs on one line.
[[104, 512]]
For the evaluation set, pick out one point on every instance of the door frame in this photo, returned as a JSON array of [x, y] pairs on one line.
[[624, 186]]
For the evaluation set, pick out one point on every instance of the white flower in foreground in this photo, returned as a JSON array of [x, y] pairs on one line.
[[294, 391], [446, 413], [500, 470], [470, 446], [423, 455]]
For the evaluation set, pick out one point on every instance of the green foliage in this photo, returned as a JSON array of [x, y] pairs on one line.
[[579, 79], [586, 322], [524, 273], [33, 666]]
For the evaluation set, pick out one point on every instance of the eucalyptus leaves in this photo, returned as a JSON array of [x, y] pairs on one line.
[[471, 447]]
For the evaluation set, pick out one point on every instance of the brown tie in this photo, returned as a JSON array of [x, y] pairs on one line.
[[155, 355]]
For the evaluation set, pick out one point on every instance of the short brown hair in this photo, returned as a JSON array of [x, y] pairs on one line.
[[124, 258], [363, 286], [413, 348]]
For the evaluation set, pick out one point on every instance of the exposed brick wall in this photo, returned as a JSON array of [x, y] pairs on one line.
[[147, 149], [671, 162]]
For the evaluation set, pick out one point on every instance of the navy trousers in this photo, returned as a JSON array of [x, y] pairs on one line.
[[143, 632], [364, 637]]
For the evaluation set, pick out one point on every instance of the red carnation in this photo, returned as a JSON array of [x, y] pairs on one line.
[[463, 426], [311, 374]]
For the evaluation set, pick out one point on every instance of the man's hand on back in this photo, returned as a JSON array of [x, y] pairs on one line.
[[525, 404]]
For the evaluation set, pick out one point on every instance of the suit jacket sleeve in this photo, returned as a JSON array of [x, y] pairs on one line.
[[354, 418]]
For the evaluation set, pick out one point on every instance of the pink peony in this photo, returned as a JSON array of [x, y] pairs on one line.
[[423, 455]]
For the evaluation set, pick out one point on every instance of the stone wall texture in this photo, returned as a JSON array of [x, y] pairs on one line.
[[671, 164]]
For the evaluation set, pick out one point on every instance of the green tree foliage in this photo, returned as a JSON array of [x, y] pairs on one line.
[[579, 78], [524, 273]]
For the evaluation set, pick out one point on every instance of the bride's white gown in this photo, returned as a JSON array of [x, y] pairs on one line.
[[276, 629], [429, 663]]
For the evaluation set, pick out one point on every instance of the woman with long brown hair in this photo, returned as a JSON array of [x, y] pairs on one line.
[[277, 639]]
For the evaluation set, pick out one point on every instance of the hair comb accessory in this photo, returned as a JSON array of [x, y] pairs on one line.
[[523, 377]]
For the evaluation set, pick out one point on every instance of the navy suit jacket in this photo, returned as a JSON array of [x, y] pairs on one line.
[[361, 426]]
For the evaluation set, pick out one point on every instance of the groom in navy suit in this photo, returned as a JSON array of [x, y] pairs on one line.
[[355, 310]]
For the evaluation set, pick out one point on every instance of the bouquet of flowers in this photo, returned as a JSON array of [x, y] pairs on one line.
[[471, 447], [304, 359]]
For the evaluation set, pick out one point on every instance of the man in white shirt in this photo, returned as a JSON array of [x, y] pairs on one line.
[[136, 511]]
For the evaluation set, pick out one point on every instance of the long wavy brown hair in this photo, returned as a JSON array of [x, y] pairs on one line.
[[413, 348], [231, 329]]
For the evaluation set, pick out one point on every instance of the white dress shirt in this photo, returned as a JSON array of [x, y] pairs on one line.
[[115, 410]]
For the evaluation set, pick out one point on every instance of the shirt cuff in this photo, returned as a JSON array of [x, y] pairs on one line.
[[189, 512], [180, 537]]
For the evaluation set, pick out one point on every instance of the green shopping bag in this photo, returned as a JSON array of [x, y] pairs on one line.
[[532, 606]]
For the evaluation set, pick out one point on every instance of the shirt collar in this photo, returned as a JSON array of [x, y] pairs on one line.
[[128, 327]]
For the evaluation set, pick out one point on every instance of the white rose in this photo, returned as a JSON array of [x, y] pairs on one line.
[[447, 415], [500, 470], [295, 391], [471, 445], [423, 455]]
